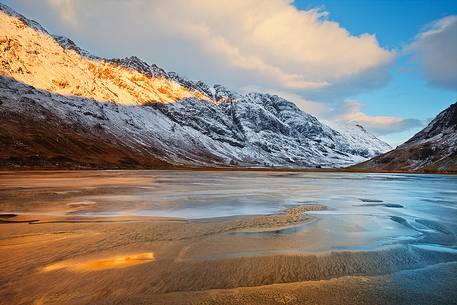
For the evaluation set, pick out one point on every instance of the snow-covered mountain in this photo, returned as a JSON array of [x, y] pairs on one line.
[[432, 148], [85, 111], [361, 138]]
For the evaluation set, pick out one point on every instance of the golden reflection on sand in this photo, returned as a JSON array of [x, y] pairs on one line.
[[119, 261]]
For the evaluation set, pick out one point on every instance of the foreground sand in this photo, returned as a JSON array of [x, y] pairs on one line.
[[147, 260]]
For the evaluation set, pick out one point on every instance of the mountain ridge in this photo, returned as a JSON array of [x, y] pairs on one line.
[[433, 148], [166, 116]]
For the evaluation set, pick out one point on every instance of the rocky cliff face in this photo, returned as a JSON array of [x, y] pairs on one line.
[[94, 112], [433, 148]]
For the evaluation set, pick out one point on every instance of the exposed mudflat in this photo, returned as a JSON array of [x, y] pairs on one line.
[[67, 245]]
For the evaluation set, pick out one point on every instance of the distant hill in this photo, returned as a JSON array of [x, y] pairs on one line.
[[62, 107], [433, 148]]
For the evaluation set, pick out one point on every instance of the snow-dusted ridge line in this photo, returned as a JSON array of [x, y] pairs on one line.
[[55, 63], [31, 23], [361, 137], [434, 148], [161, 113]]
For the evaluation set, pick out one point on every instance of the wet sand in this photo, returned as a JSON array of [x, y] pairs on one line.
[[148, 237], [157, 260]]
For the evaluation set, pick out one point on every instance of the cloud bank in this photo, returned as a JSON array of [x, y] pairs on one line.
[[270, 44], [379, 125], [435, 50], [257, 45]]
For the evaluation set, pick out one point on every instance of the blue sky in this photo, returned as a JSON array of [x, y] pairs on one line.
[[395, 24], [388, 65]]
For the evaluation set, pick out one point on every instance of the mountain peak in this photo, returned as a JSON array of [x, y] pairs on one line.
[[361, 127], [134, 63], [25, 21], [43, 63], [223, 94], [145, 113], [69, 44], [432, 148]]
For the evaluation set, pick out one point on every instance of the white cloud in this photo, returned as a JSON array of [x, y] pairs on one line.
[[66, 10], [435, 50], [238, 42], [247, 45], [351, 112]]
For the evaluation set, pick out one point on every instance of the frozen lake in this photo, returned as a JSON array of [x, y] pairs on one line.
[[365, 210]]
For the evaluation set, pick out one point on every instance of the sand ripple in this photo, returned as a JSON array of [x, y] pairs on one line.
[[119, 261]]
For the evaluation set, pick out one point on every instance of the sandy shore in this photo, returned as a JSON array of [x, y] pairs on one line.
[[153, 260]]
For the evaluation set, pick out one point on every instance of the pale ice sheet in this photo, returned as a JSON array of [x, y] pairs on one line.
[[365, 210]]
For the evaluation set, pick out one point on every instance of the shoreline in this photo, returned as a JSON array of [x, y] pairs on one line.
[[231, 169]]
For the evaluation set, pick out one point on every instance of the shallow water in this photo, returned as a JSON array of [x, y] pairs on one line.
[[364, 210]]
